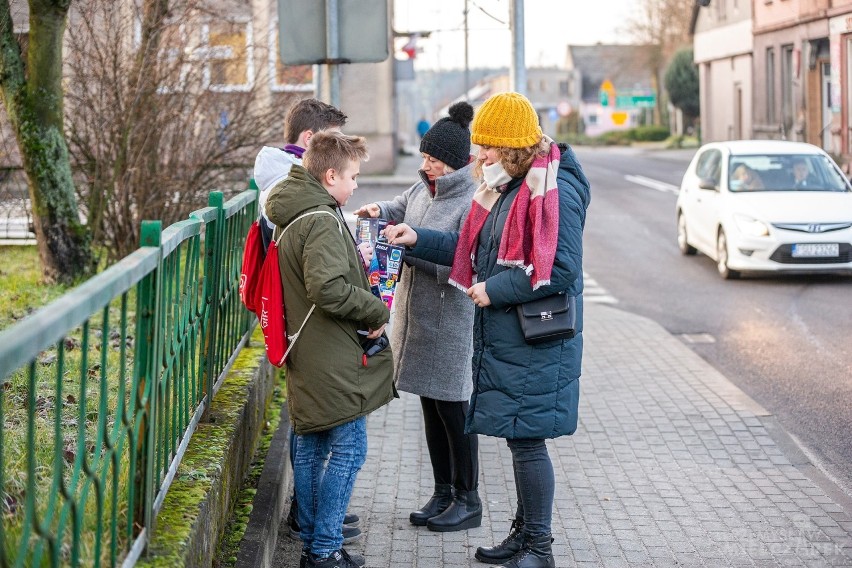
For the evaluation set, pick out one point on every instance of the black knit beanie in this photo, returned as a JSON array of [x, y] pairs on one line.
[[449, 139]]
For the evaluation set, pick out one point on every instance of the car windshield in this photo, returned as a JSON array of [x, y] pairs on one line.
[[784, 172]]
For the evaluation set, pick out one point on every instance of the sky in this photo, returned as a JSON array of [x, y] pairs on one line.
[[550, 25]]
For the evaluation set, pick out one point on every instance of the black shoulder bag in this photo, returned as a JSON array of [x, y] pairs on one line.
[[549, 318]]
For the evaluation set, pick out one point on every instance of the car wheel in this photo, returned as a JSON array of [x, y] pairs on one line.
[[682, 243], [722, 258]]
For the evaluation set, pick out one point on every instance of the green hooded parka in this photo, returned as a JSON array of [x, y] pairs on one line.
[[329, 381]]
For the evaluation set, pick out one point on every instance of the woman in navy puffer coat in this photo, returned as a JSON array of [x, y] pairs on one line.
[[523, 393]]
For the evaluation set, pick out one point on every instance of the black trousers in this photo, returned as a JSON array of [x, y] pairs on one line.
[[454, 454]]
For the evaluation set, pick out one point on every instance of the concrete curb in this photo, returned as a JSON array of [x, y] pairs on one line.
[[257, 547]]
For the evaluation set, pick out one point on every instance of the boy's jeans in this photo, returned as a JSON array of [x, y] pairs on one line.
[[323, 490]]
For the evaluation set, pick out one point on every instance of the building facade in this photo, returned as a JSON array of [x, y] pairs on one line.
[[776, 69], [722, 47], [793, 72]]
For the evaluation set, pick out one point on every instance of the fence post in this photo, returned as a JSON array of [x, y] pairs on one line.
[[213, 243], [254, 213], [146, 363]]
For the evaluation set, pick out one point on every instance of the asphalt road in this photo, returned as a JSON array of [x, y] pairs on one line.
[[784, 340]]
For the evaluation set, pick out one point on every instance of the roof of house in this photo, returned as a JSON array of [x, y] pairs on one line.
[[626, 66]]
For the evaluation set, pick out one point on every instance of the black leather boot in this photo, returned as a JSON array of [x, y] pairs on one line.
[[506, 549], [536, 553], [436, 505], [465, 512]]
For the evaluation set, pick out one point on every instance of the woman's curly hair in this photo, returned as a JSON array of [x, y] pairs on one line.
[[516, 161]]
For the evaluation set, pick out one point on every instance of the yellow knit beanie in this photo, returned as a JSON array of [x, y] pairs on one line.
[[506, 120]]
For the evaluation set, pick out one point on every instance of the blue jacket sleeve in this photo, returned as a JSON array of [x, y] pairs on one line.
[[435, 246], [395, 211]]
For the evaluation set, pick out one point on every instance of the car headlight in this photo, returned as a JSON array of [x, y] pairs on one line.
[[750, 226]]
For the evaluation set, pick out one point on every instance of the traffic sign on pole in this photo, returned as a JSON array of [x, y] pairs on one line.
[[607, 93], [634, 99], [363, 32]]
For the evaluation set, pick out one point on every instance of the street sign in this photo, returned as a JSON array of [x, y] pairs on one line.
[[363, 31], [619, 118], [635, 100], [564, 108], [607, 93]]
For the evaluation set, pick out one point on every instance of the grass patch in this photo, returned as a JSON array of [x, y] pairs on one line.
[[22, 289], [235, 529], [70, 419]]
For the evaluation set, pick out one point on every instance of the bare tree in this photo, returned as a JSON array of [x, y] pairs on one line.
[[31, 89], [148, 129], [664, 25]]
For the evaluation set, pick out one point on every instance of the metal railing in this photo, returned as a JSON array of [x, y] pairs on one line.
[[101, 390]]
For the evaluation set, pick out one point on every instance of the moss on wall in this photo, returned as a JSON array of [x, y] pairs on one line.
[[201, 498]]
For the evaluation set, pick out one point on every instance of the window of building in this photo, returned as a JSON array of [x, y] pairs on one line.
[[217, 55], [787, 87], [708, 100], [286, 78], [721, 10], [227, 50], [172, 64], [565, 88], [770, 85]]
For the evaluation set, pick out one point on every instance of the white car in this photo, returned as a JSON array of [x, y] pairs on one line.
[[766, 205]]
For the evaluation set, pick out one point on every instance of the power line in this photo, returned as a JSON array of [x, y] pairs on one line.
[[484, 11]]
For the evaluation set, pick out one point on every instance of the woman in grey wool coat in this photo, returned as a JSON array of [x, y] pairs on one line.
[[430, 313]]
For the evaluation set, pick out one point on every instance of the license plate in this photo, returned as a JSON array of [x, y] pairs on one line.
[[816, 250]]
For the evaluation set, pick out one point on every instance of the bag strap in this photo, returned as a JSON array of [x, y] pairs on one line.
[[292, 338], [309, 213]]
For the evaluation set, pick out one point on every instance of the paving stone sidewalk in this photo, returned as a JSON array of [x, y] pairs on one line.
[[672, 465]]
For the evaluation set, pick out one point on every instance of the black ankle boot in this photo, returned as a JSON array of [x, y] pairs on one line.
[[465, 512], [535, 553], [506, 549], [440, 500]]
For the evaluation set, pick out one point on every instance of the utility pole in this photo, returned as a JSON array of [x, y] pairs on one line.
[[332, 38], [466, 65], [518, 71]]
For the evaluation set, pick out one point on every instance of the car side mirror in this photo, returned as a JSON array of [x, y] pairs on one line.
[[707, 183]]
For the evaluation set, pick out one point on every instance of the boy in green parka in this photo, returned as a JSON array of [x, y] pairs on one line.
[[331, 385]]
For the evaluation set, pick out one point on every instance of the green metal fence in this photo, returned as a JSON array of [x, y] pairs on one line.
[[101, 390]]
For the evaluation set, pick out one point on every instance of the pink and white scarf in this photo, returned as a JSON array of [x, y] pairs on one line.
[[531, 230]]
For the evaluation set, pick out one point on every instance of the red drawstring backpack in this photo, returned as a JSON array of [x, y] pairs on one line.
[[252, 264], [270, 302]]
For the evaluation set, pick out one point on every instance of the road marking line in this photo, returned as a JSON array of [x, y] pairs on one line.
[[696, 338], [599, 299], [595, 293], [653, 184]]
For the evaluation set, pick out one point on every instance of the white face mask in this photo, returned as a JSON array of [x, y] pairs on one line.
[[495, 176]]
